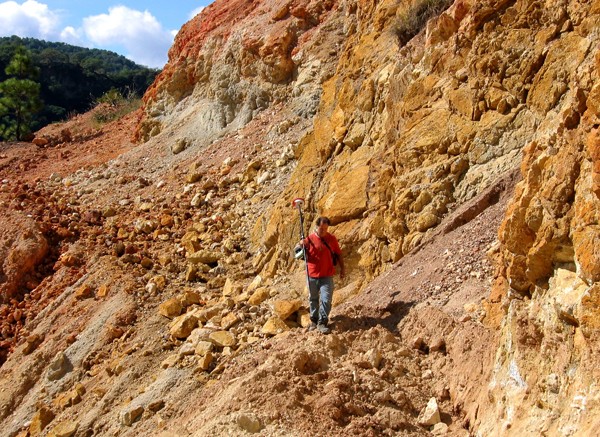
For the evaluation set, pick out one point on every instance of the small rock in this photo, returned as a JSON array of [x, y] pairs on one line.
[[109, 211], [64, 429], [142, 226], [179, 146], [285, 308], [119, 249], [437, 345], [440, 429], [303, 318], [147, 263], [186, 349], [59, 366], [157, 405], [170, 308], [205, 361], [151, 288], [373, 357], [430, 414], [229, 320], [131, 414], [223, 338], [84, 292], [170, 361], [204, 257], [249, 422], [40, 420], [231, 288], [160, 282], [417, 343], [196, 200], [190, 298], [259, 296], [203, 347], [183, 326], [191, 273], [114, 332], [193, 177], [256, 282], [32, 342], [274, 326], [103, 290]]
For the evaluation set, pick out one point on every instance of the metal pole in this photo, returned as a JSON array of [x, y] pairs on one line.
[[298, 203]]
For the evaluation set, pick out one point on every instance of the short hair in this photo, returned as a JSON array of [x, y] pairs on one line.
[[323, 220]]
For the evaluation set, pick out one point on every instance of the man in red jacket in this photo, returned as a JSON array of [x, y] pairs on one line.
[[322, 248]]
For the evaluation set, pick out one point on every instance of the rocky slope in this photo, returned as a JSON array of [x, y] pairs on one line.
[[153, 290]]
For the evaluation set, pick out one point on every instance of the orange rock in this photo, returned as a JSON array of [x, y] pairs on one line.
[[84, 292], [103, 290]]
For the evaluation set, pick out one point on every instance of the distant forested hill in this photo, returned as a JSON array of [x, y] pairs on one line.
[[72, 78]]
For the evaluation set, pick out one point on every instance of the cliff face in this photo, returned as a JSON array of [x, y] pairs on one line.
[[407, 131], [408, 123]]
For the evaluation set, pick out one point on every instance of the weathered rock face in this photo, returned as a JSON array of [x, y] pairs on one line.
[[236, 59], [549, 267], [404, 134]]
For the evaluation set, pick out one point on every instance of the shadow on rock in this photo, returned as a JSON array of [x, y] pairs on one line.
[[388, 317]]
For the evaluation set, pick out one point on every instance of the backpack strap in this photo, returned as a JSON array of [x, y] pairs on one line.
[[326, 245]]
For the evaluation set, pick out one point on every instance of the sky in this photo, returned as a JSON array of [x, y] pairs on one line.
[[143, 31]]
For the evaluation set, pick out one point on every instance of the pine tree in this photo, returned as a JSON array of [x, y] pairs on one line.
[[19, 96]]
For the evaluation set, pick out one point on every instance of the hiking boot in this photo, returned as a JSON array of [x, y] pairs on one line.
[[323, 329], [312, 326]]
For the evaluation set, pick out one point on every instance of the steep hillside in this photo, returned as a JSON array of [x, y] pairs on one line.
[[154, 292]]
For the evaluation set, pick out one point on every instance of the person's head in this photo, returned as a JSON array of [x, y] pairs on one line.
[[323, 224]]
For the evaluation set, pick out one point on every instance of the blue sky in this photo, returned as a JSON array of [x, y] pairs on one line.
[[143, 31]]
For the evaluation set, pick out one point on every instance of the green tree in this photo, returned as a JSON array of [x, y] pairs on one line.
[[19, 96]]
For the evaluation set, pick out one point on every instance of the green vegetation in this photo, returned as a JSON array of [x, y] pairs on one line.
[[416, 16], [19, 96], [72, 79], [113, 105]]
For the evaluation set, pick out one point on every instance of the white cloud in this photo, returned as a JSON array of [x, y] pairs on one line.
[[140, 33], [73, 36], [195, 12], [30, 19]]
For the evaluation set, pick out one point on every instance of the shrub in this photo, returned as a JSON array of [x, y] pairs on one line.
[[416, 16], [113, 105]]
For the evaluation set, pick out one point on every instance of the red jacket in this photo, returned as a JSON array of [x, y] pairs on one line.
[[319, 257]]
